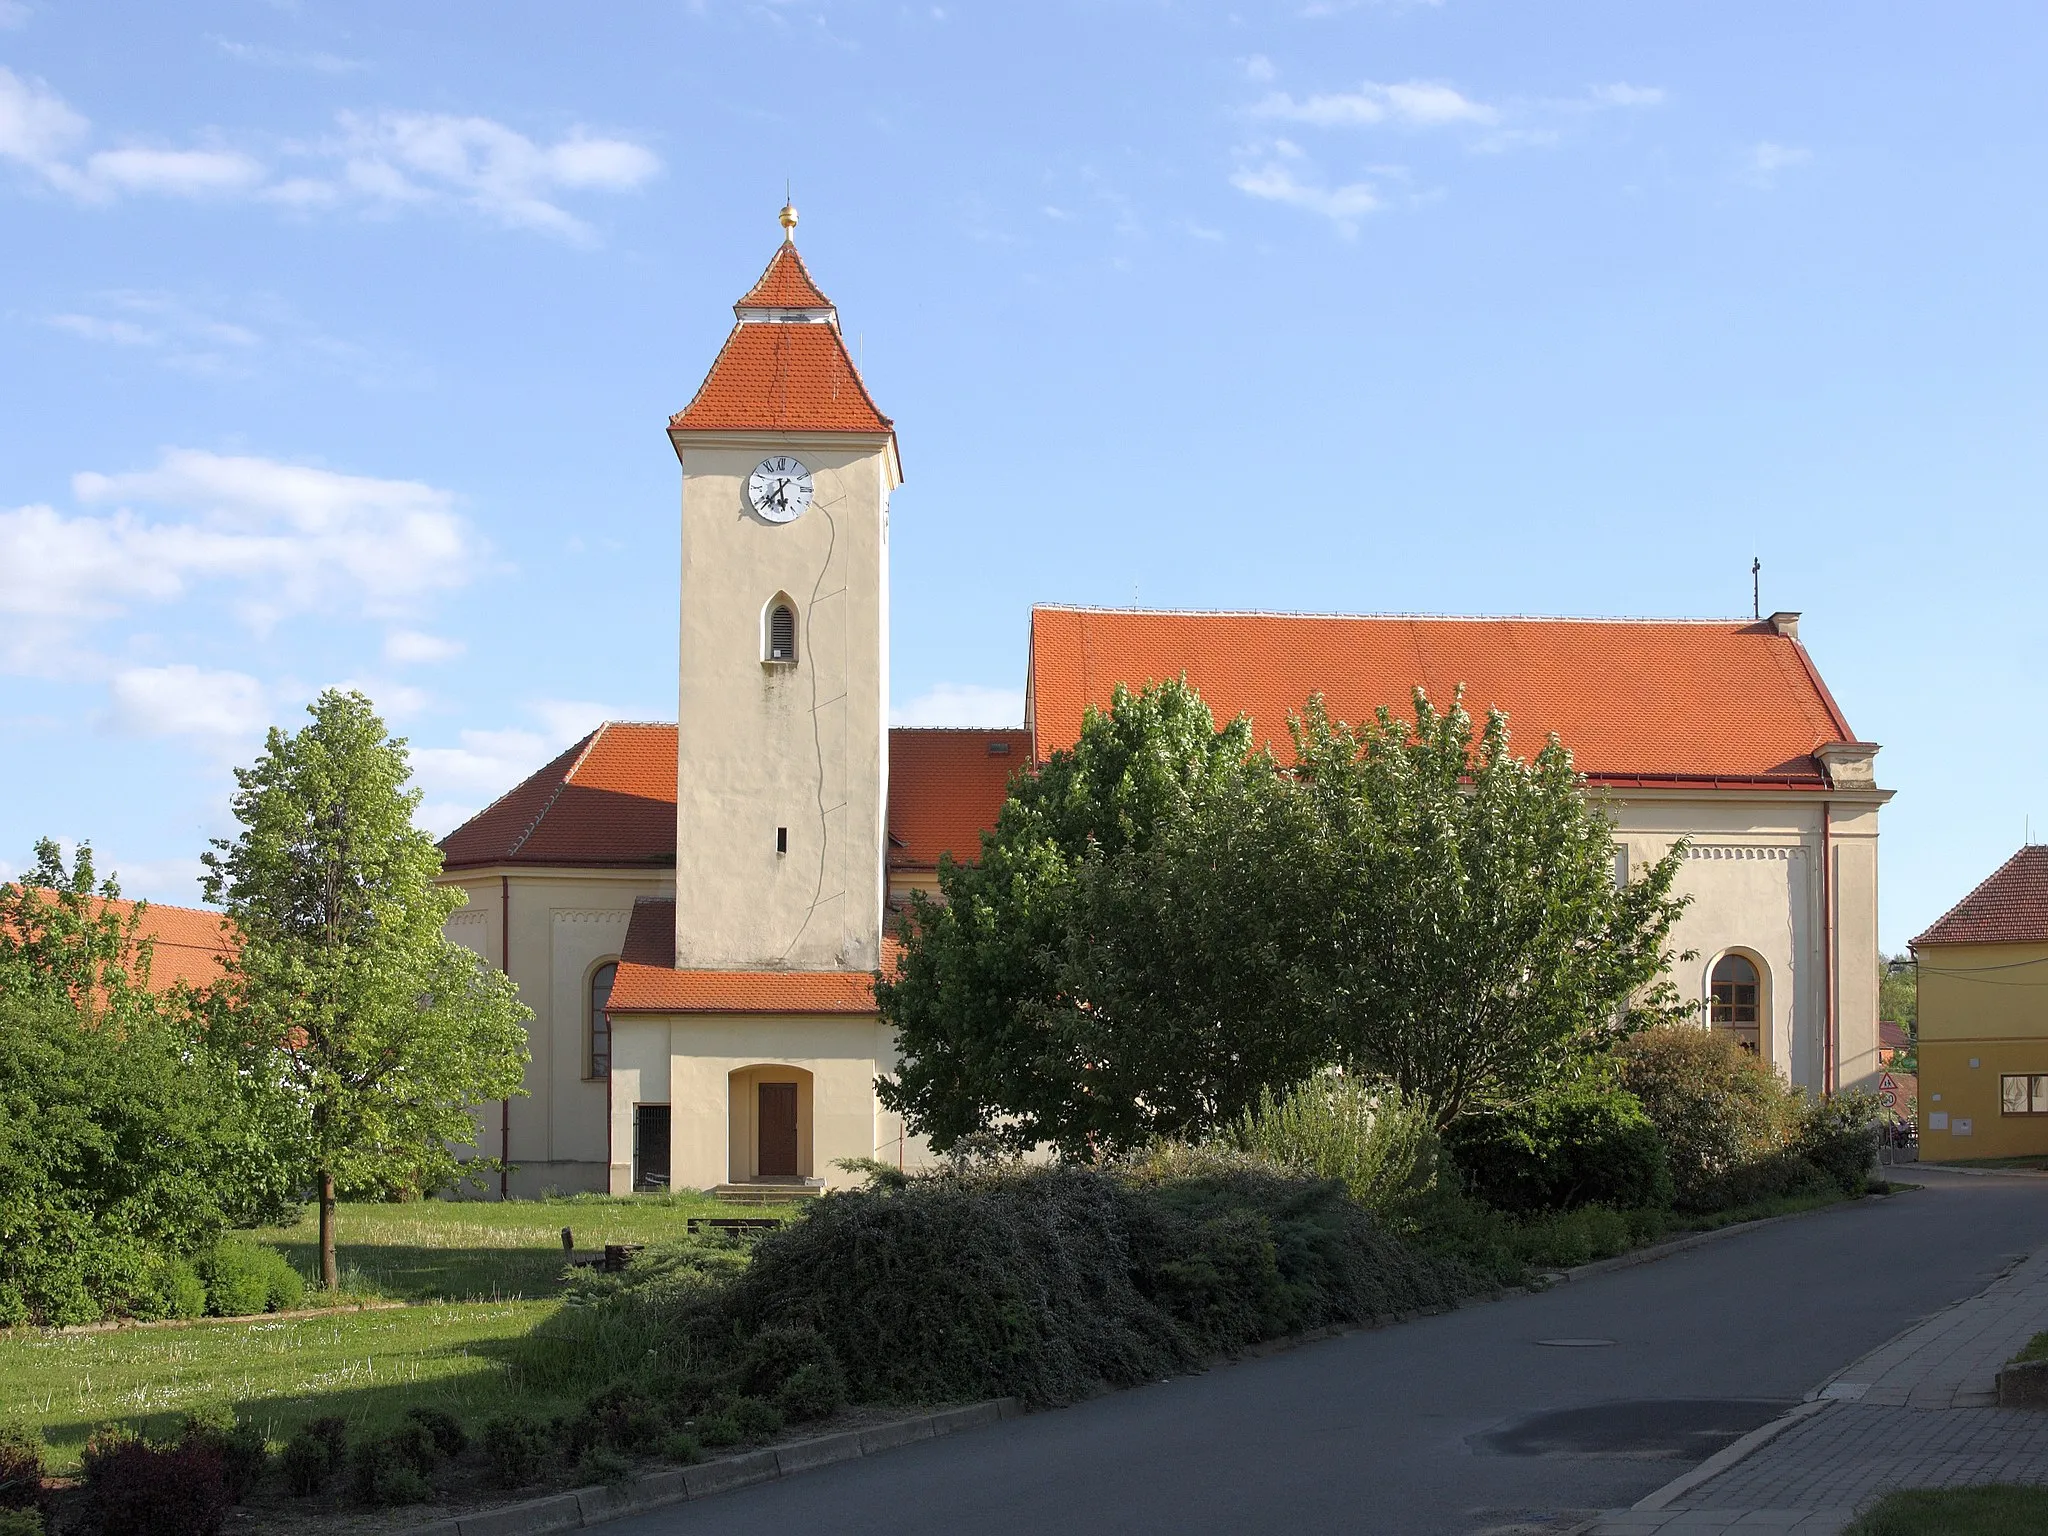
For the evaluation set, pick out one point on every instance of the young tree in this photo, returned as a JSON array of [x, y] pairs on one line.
[[1478, 945], [63, 938], [1119, 962], [380, 1033]]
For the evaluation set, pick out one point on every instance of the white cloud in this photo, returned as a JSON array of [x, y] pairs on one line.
[[1763, 161], [385, 161], [460, 780], [1259, 69], [409, 647], [1620, 95], [184, 700], [412, 157], [961, 704], [1415, 104], [1272, 175], [279, 58], [283, 537], [121, 333]]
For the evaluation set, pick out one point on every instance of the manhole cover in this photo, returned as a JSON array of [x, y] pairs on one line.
[[1672, 1429], [1576, 1343]]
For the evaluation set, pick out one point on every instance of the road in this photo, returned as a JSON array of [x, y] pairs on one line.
[[1464, 1423]]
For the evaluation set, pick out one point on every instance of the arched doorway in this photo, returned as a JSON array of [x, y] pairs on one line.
[[769, 1111]]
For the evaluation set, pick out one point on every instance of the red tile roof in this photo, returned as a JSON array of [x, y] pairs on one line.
[[647, 981], [2009, 908], [945, 788], [781, 377], [784, 284], [1635, 701], [609, 801], [187, 944], [1892, 1036]]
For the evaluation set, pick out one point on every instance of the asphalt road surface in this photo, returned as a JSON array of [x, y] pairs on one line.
[[1513, 1416]]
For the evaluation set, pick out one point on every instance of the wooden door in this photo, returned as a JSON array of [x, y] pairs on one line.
[[778, 1130]]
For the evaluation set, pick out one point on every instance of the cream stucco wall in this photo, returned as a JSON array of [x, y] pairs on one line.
[[563, 925], [1753, 873], [764, 746], [690, 1062]]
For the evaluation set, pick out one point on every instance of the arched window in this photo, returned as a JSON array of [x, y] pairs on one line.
[[1736, 996], [600, 1063], [781, 633]]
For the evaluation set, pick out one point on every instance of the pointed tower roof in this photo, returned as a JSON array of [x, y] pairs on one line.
[[785, 366]]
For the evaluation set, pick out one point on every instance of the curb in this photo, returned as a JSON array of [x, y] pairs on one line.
[[581, 1507], [1730, 1454]]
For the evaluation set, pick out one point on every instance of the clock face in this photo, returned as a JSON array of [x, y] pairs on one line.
[[779, 489]]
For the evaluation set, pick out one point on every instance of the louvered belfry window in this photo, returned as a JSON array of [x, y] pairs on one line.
[[782, 633]]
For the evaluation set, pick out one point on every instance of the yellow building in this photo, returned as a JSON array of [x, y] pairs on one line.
[[1984, 1018]]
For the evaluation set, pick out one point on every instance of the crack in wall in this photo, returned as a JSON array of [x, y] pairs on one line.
[[818, 595]]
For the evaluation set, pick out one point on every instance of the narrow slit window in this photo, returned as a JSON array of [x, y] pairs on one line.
[[782, 633], [600, 1064]]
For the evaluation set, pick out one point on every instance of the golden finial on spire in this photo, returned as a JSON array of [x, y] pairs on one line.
[[788, 221]]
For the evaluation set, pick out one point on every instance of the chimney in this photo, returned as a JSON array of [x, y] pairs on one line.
[[1786, 624]]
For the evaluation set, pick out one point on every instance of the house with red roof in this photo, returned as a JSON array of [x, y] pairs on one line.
[[1983, 1018], [694, 910]]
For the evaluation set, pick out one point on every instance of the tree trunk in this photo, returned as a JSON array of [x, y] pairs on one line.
[[330, 1276]]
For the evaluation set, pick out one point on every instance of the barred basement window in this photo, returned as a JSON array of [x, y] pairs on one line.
[[782, 633]]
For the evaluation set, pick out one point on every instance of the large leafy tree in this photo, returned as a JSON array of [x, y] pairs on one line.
[[1164, 923], [123, 1147], [1477, 943], [379, 1033], [1123, 959]]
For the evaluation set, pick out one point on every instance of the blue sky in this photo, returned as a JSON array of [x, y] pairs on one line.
[[336, 344]]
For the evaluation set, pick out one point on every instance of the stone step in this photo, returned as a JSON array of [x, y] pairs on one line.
[[765, 1194]]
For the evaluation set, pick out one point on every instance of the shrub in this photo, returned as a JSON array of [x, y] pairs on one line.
[[238, 1443], [133, 1488], [184, 1293], [1380, 1145], [392, 1468], [684, 1447], [795, 1368], [517, 1447], [621, 1416], [450, 1438], [756, 1419], [1839, 1137], [21, 1522], [21, 1468], [1561, 1239], [1716, 1106], [315, 1454], [602, 1464], [719, 1429], [244, 1278], [1581, 1146]]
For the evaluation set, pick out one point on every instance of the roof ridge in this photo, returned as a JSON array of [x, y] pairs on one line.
[[533, 826], [1453, 618]]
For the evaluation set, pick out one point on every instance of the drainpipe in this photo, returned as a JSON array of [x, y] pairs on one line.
[[1827, 959], [505, 1107]]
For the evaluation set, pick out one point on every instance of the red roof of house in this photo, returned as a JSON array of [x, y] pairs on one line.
[[2009, 908], [784, 284], [609, 801], [1636, 701], [945, 788], [187, 944], [647, 981], [1892, 1036]]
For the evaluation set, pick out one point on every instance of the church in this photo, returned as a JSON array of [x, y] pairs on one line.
[[694, 909]]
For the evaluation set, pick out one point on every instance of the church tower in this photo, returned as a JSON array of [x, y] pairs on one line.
[[782, 723]]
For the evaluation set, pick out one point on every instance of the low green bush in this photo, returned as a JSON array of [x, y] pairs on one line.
[[21, 1522], [719, 1429], [1562, 1239], [684, 1447], [184, 1293], [621, 1416], [1716, 1106], [392, 1468], [243, 1278], [517, 1446], [450, 1438], [243, 1455], [796, 1369], [1380, 1145], [1838, 1135], [315, 1454], [756, 1418], [1584, 1145]]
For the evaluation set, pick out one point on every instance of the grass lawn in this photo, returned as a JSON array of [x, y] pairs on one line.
[[369, 1367], [476, 1250], [2034, 1160], [1999, 1510]]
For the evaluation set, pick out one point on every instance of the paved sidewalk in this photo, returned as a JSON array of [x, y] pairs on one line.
[[1914, 1413]]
